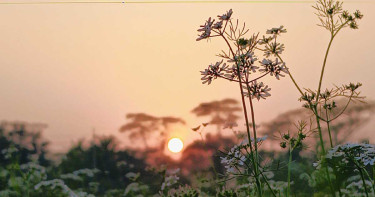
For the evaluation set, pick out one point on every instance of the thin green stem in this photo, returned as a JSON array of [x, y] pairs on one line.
[[328, 127], [323, 67], [247, 121], [290, 75], [369, 177], [289, 169], [268, 185], [323, 151], [333, 35], [343, 110], [255, 135], [363, 180]]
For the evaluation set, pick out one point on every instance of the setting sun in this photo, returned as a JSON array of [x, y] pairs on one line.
[[175, 145]]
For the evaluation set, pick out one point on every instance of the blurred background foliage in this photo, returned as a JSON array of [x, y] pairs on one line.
[[97, 166]]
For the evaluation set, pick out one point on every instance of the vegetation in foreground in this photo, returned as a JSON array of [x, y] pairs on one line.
[[242, 166]]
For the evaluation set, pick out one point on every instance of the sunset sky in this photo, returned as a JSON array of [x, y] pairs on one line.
[[77, 67]]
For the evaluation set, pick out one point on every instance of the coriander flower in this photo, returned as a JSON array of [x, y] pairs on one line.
[[212, 72], [250, 60], [274, 48], [276, 31], [226, 16], [265, 40], [257, 90], [218, 25], [205, 29], [364, 154], [274, 68], [231, 73], [56, 183], [234, 159], [171, 179]]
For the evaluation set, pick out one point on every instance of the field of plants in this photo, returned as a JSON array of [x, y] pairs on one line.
[[303, 152]]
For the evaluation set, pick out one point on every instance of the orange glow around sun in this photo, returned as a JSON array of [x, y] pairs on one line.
[[175, 145]]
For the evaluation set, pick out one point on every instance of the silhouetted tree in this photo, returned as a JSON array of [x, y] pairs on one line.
[[221, 112], [27, 139], [113, 164], [141, 125], [356, 116]]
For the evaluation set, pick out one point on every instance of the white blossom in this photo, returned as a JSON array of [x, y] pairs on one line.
[[56, 183], [170, 179], [205, 29], [274, 68], [276, 30], [257, 90], [226, 16]]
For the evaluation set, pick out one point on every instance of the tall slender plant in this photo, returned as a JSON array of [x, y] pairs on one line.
[[322, 103], [240, 65]]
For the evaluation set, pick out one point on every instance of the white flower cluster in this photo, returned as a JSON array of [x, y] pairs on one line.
[[257, 90], [209, 25], [355, 188], [84, 194], [54, 184], [86, 172], [134, 188], [235, 159], [78, 174], [212, 72], [132, 175], [9, 151], [276, 30], [364, 154], [274, 68], [279, 186], [171, 179], [35, 171]]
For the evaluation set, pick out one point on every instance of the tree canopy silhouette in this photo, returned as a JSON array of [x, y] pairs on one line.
[[140, 125]]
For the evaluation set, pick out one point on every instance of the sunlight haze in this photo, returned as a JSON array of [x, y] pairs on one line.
[[82, 67]]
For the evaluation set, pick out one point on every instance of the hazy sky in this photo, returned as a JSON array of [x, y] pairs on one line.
[[77, 67]]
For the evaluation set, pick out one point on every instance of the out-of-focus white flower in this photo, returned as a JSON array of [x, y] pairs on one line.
[[362, 153], [56, 183], [132, 175], [234, 159], [9, 152], [83, 194], [135, 188], [170, 179], [86, 172], [71, 176], [278, 186]]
